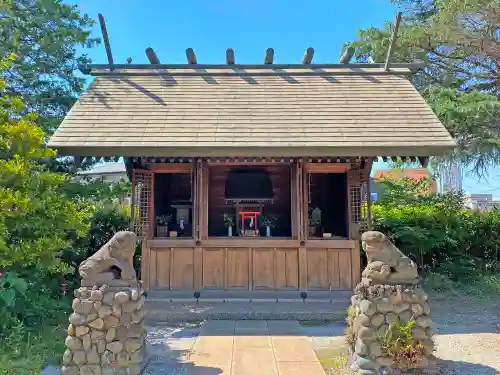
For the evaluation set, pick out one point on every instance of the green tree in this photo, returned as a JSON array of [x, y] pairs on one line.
[[37, 219], [473, 119], [44, 34], [459, 43]]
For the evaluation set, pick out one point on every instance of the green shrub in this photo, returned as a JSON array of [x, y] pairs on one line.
[[106, 220], [350, 335], [438, 233], [398, 344]]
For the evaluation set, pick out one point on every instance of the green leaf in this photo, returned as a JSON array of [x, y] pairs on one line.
[[8, 296]]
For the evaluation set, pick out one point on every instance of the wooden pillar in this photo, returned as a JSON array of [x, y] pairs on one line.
[[366, 176], [356, 264], [198, 251], [205, 175], [145, 263], [300, 206]]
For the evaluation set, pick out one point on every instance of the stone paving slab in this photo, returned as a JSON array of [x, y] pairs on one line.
[[248, 347]]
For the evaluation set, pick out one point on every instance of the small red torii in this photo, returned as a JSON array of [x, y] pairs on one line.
[[249, 215]]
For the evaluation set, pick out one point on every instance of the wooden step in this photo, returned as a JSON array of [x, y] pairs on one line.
[[159, 312]]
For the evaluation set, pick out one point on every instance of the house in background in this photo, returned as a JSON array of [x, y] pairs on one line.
[[376, 188], [110, 172], [481, 202]]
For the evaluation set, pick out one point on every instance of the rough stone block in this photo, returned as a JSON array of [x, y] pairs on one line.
[[105, 332], [77, 319], [79, 357], [86, 342], [114, 347], [121, 297], [70, 370], [97, 324], [67, 357], [82, 306], [74, 343]]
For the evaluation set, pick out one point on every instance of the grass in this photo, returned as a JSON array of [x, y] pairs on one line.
[[482, 287], [338, 362], [33, 352], [333, 358]]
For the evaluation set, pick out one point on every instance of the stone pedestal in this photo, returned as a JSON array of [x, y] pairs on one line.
[[373, 310], [106, 333]]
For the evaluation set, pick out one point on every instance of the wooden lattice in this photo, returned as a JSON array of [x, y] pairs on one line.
[[358, 202], [141, 202]]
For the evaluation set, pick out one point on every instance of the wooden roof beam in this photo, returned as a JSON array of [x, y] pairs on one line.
[[308, 56], [393, 40], [411, 66], [191, 57], [230, 56], [269, 56], [105, 37], [152, 57], [347, 55], [424, 161]]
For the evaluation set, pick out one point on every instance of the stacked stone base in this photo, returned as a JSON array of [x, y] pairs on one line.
[[106, 334], [377, 307]]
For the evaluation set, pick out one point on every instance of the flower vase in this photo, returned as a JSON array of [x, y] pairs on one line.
[[268, 231], [230, 231], [162, 231]]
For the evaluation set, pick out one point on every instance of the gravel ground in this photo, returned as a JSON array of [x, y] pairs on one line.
[[467, 338]]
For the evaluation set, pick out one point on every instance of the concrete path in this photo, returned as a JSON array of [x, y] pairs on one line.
[[241, 347]]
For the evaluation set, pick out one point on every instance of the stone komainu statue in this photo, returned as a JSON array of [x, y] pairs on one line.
[[386, 264], [112, 264]]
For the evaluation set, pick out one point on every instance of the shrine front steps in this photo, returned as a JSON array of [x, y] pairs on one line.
[[172, 306]]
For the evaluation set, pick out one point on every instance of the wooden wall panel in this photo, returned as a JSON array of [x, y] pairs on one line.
[[213, 268], [286, 269], [153, 283], [163, 268], [182, 269], [237, 269], [242, 268], [333, 267], [317, 269], [345, 270], [330, 269], [263, 268]]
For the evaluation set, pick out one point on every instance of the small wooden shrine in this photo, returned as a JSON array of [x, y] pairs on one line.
[[251, 176]]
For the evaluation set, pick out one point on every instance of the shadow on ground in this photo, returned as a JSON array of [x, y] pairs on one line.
[[450, 367]]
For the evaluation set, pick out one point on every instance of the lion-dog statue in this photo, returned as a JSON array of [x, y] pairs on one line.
[[112, 264], [386, 264]]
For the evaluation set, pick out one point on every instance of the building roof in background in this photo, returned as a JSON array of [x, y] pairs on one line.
[[109, 168], [414, 173], [345, 111]]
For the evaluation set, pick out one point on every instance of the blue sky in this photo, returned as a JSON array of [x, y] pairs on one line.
[[249, 27]]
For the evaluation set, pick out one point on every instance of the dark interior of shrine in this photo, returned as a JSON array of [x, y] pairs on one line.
[[236, 190], [328, 192], [173, 197]]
